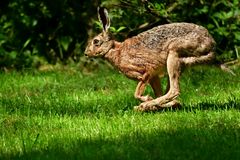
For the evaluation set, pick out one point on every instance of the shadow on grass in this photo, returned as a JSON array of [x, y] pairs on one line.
[[90, 107], [194, 143], [232, 103], [112, 107]]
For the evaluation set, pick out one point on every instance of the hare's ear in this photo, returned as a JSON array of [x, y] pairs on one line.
[[104, 18]]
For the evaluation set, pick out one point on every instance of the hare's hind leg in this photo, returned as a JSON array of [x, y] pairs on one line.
[[173, 69]]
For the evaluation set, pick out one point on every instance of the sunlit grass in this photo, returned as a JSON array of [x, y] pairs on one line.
[[77, 115]]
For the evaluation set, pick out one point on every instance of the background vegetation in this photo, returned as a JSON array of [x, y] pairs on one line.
[[36, 32]]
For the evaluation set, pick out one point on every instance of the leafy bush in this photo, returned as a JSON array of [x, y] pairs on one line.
[[57, 31]]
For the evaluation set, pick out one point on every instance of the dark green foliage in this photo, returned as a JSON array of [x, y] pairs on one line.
[[55, 30], [58, 30]]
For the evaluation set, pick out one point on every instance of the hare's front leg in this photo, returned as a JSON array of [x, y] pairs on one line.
[[144, 80], [139, 92], [173, 69]]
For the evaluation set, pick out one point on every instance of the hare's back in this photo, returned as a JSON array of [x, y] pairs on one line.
[[158, 36]]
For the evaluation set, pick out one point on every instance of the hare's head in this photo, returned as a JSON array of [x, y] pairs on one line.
[[102, 43]]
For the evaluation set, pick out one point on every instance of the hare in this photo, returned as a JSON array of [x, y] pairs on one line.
[[147, 56]]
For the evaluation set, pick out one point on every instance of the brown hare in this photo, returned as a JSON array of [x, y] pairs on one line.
[[148, 55]]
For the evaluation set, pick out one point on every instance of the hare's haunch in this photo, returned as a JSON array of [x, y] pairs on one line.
[[148, 55]]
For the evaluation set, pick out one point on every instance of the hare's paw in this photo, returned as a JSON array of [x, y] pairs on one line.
[[172, 104], [154, 106], [146, 98], [147, 106]]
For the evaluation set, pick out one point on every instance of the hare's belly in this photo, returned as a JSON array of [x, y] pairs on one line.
[[138, 71], [133, 71]]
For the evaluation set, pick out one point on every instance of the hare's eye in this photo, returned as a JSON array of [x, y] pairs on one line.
[[96, 42]]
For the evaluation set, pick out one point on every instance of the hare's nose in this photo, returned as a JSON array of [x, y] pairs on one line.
[[85, 54]]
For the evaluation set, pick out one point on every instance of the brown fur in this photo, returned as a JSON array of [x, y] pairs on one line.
[[148, 55]]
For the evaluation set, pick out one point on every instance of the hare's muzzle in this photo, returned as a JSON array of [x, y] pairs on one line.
[[86, 52]]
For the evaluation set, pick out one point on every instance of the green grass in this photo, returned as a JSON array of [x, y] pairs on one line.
[[68, 114]]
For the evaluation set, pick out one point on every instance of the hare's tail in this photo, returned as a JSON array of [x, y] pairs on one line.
[[208, 58]]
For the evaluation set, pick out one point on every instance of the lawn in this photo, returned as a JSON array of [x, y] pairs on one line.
[[73, 114]]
